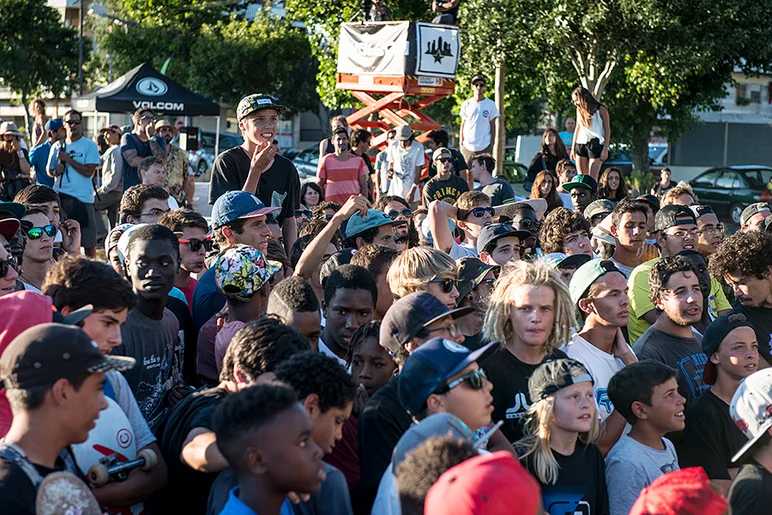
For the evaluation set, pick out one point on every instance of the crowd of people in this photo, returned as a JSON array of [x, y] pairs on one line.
[[404, 336]]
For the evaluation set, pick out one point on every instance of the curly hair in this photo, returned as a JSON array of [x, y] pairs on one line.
[[562, 165], [424, 465], [682, 188], [134, 197], [376, 259], [603, 188], [662, 271], [260, 346], [77, 281], [414, 268], [557, 225], [746, 253], [315, 372], [315, 226], [180, 219], [323, 206], [349, 277], [365, 331], [552, 198]]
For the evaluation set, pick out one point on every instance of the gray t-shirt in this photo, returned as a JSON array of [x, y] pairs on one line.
[[128, 404], [156, 346], [683, 354], [498, 190], [631, 466]]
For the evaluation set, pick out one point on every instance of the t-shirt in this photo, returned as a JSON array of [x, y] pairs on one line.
[[499, 190], [511, 400], [188, 292], [327, 351], [279, 186], [342, 177], [601, 365], [130, 141], [72, 183], [478, 117], [565, 198], [155, 344], [711, 438], [195, 410], [128, 403], [683, 354], [405, 162], [631, 466], [207, 299], [17, 492], [223, 340], [235, 506], [459, 250], [751, 491], [206, 367], [581, 484], [382, 168], [188, 336], [382, 423], [761, 320], [447, 191], [38, 158], [345, 454], [625, 269], [567, 138], [459, 163]]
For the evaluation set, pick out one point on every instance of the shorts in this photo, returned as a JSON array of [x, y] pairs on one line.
[[592, 149], [84, 214]]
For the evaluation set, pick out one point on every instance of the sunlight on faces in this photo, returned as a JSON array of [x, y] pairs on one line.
[[472, 225], [437, 289], [191, 261], [532, 314], [104, 327], [473, 407], [151, 210], [611, 301], [666, 412], [581, 198], [738, 354], [575, 408], [40, 249], [7, 283], [442, 328], [750, 290], [507, 249], [256, 233], [260, 127], [631, 232], [328, 425], [711, 234], [577, 242], [675, 239], [311, 198], [154, 175], [682, 300], [546, 186], [756, 222]]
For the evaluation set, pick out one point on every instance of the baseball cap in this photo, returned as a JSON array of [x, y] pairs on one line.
[[114, 237], [714, 335], [602, 231], [556, 375], [755, 208], [43, 354], [587, 274], [701, 209], [431, 365], [374, 218], [113, 128], [508, 211], [408, 315], [651, 200], [240, 271], [681, 492], [340, 258], [12, 210], [54, 124], [404, 132], [489, 484], [441, 152], [471, 272], [560, 260], [494, 232], [751, 409], [598, 207], [256, 102], [234, 205], [767, 223], [476, 78], [9, 227], [581, 181], [437, 425], [667, 217]]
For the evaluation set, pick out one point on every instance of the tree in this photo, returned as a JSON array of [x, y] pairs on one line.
[[37, 53]]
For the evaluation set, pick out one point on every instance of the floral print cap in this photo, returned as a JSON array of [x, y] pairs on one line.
[[242, 270]]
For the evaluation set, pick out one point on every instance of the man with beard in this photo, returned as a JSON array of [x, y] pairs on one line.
[[176, 175], [475, 285]]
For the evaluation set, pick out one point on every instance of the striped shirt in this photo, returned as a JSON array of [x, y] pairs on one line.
[[342, 177]]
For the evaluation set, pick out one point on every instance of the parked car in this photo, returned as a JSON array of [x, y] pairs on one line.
[[202, 159], [306, 162], [621, 157], [731, 189]]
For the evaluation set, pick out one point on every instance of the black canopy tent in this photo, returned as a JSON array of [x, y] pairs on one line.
[[144, 86]]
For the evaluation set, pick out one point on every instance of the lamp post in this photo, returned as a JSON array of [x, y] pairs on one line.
[[80, 47]]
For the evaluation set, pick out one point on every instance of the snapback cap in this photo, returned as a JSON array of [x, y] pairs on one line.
[[751, 409], [257, 102], [234, 205], [556, 375]]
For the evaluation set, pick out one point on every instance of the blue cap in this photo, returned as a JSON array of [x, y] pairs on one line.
[[358, 224], [437, 425], [431, 365], [54, 124], [234, 205]]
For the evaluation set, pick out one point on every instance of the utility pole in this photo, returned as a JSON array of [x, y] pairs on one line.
[[80, 47]]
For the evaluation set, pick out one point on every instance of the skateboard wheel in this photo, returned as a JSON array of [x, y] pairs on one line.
[[97, 475], [150, 457]]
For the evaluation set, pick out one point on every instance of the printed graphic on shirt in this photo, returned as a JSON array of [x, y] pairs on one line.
[[669, 467], [277, 199], [519, 408], [601, 397], [566, 501], [692, 368]]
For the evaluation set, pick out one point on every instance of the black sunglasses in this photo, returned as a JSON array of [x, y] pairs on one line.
[[528, 224], [447, 284], [479, 212], [303, 212], [5, 265], [37, 232], [195, 244], [476, 379], [393, 214], [73, 122]]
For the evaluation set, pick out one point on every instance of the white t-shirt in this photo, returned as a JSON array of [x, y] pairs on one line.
[[600, 365], [478, 117], [566, 199], [324, 349], [72, 183], [459, 250], [404, 163], [387, 498], [173, 204]]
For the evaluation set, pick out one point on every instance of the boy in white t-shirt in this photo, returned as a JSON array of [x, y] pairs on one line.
[[478, 121], [472, 212], [599, 290]]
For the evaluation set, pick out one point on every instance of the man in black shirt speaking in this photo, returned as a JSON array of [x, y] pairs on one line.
[[256, 167]]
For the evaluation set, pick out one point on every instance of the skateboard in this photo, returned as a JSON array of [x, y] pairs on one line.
[[62, 493]]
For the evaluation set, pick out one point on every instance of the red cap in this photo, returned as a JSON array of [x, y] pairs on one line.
[[489, 484], [683, 492]]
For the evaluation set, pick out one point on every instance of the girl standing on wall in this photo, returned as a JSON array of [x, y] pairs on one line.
[[592, 134]]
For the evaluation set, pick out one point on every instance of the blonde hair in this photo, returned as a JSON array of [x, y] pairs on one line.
[[498, 320], [414, 268], [682, 188], [536, 442]]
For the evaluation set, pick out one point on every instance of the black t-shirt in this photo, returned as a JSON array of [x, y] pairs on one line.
[[188, 337], [447, 191], [510, 377], [761, 320], [476, 341], [382, 423], [17, 493], [751, 491], [710, 438], [581, 485], [186, 484], [459, 163], [278, 186]]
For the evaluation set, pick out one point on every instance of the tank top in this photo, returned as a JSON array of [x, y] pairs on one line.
[[595, 130]]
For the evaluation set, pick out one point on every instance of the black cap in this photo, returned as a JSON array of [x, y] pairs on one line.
[[668, 216], [650, 200], [471, 271], [477, 78], [45, 353], [701, 209], [337, 260], [556, 375], [715, 334], [490, 234], [407, 316]]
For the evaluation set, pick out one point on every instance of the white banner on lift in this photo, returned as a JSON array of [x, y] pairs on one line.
[[378, 49], [438, 50]]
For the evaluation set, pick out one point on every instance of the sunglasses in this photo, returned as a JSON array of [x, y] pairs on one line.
[[5, 265], [155, 212], [303, 212], [394, 213], [447, 284], [529, 224], [37, 232], [476, 380], [195, 244], [73, 122], [479, 212], [444, 160]]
